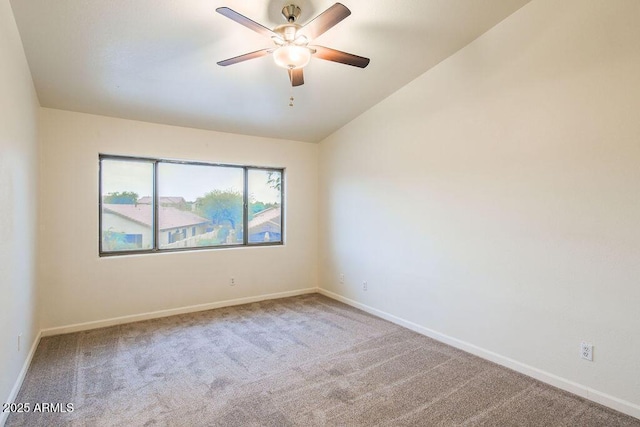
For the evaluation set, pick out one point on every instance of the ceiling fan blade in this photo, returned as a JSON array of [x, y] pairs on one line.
[[324, 21], [243, 20], [296, 76], [245, 57], [339, 56]]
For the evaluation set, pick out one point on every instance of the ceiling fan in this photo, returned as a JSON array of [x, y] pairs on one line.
[[292, 50]]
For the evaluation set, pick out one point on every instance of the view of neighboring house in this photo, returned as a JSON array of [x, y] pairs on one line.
[[265, 226], [164, 201], [131, 224]]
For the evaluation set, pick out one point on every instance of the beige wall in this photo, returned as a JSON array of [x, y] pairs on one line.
[[18, 209], [78, 286], [496, 198]]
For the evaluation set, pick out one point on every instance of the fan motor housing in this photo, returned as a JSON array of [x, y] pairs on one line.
[[291, 12], [287, 31]]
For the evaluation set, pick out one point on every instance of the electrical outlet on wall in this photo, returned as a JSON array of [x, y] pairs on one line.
[[232, 281], [365, 286], [19, 341], [586, 351], [341, 278]]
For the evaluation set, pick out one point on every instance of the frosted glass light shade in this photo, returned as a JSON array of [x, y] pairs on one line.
[[292, 56]]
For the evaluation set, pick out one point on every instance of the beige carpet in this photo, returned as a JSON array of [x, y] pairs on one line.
[[302, 361]]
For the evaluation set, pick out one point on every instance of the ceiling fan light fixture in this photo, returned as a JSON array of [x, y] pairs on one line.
[[292, 56], [292, 50]]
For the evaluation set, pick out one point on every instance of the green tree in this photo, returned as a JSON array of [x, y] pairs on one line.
[[183, 206], [221, 207], [274, 179], [254, 208], [121, 198]]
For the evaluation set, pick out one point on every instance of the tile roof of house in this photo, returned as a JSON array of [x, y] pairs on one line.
[[266, 220], [164, 200], [169, 217]]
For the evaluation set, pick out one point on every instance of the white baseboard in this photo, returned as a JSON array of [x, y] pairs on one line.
[[23, 373], [77, 327], [546, 377]]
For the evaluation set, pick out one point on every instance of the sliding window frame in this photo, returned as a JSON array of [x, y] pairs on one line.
[[155, 198]]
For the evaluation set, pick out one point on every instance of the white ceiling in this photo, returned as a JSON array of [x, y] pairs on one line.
[[155, 60]]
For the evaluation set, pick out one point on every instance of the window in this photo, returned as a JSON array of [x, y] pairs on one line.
[[152, 205], [122, 181], [264, 206]]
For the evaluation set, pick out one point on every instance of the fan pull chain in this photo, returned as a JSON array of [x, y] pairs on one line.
[[291, 97]]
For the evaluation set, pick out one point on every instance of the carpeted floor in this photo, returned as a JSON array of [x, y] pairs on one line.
[[302, 361]]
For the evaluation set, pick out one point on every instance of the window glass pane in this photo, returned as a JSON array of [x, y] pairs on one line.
[[127, 209], [199, 205], [265, 204]]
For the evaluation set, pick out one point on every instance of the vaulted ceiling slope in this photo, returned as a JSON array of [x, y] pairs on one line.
[[155, 60]]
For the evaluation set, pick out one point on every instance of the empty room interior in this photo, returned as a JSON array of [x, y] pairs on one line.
[[302, 212]]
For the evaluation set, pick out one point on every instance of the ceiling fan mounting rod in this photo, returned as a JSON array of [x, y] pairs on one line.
[[291, 12]]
